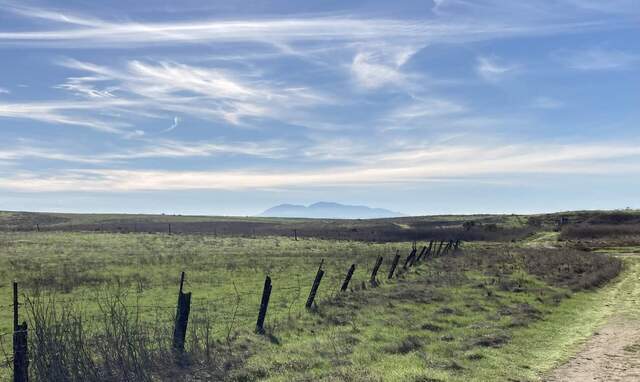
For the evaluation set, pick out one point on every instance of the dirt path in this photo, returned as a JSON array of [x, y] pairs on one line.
[[613, 353]]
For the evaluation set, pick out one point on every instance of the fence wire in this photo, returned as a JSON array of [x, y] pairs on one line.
[[217, 316]]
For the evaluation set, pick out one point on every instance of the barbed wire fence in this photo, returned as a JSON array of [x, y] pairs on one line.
[[231, 312]]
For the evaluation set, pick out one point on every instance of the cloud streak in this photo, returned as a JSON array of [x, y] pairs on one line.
[[57, 112], [81, 31], [599, 59], [491, 69], [149, 149], [410, 167]]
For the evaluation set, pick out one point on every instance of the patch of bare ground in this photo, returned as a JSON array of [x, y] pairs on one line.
[[612, 354]]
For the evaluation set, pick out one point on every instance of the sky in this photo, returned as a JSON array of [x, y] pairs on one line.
[[231, 107]]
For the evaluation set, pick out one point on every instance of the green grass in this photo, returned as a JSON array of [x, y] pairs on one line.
[[454, 319], [147, 267], [366, 346]]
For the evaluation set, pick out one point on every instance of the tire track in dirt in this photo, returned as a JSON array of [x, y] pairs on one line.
[[612, 353]]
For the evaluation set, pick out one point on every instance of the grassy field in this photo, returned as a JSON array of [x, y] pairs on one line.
[[486, 313], [483, 227]]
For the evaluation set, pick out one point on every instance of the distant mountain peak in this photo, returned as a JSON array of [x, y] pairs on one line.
[[329, 210]]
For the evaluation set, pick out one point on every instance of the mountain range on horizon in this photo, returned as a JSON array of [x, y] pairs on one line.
[[329, 210]]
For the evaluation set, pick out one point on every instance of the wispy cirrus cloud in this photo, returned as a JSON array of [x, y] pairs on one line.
[[379, 65], [147, 149], [492, 68], [151, 89], [410, 167], [598, 58], [176, 122], [73, 31], [424, 108], [58, 112], [204, 92]]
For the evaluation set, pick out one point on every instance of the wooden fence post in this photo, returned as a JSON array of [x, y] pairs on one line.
[[345, 283], [456, 245], [430, 249], [314, 287], [445, 249], [394, 264], [20, 347], [182, 317], [438, 251], [374, 273], [422, 252], [295, 234], [264, 304], [409, 258], [414, 258]]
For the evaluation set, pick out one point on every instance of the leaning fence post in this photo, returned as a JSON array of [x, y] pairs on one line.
[[409, 258], [345, 283], [426, 255], [445, 249], [374, 273], [414, 258], [314, 287], [182, 317], [20, 348], [438, 251], [264, 304], [422, 252], [394, 264]]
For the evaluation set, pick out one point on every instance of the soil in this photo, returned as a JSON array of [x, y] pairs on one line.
[[613, 352]]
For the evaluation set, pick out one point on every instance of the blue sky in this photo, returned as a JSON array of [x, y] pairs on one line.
[[218, 107]]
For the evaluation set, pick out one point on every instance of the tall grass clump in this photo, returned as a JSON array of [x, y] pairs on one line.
[[113, 343]]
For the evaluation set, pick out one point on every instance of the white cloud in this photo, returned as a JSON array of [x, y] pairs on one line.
[[200, 91], [411, 166], [599, 59], [71, 30], [152, 89], [147, 149], [381, 64], [491, 69], [4, 91], [21, 152], [371, 74], [83, 86], [57, 112], [424, 108], [176, 121], [181, 149]]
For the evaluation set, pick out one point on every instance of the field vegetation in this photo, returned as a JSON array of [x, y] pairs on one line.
[[101, 305]]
